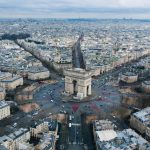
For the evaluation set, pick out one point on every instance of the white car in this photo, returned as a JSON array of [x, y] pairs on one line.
[[35, 113], [15, 124], [69, 125]]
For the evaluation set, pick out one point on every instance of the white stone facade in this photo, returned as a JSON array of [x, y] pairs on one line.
[[2, 93], [38, 128], [12, 82], [38, 73], [129, 77], [4, 110], [141, 120], [78, 82], [13, 140], [146, 86]]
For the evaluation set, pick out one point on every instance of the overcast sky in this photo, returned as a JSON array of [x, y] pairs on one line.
[[75, 8]]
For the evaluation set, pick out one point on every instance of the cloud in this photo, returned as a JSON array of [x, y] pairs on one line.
[[43, 8], [134, 3]]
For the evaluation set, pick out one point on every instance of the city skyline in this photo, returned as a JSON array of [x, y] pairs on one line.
[[74, 84], [75, 9]]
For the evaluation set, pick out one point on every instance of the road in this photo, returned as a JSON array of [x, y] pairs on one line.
[[49, 98], [75, 136]]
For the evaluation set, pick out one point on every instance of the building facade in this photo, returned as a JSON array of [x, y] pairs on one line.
[[127, 139], [7, 142], [13, 140], [146, 86], [2, 93], [141, 120], [27, 93], [38, 127], [128, 77], [11, 82], [4, 75], [37, 73], [101, 128], [4, 110]]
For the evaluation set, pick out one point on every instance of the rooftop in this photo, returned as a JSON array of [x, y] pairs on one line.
[[125, 140], [106, 135], [18, 133], [47, 141], [4, 75], [38, 69], [2, 147], [103, 125], [143, 115], [4, 138], [51, 124], [129, 74], [12, 78], [3, 104], [2, 89], [147, 82]]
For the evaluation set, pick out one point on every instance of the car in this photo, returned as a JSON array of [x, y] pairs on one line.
[[35, 113], [61, 111], [52, 100], [69, 125], [15, 124], [17, 117]]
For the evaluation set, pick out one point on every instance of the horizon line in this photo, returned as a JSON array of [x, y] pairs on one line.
[[75, 18]]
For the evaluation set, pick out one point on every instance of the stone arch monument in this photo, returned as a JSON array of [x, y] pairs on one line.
[[78, 82], [78, 79]]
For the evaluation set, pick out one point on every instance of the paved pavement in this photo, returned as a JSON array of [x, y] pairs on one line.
[[75, 136], [50, 97]]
